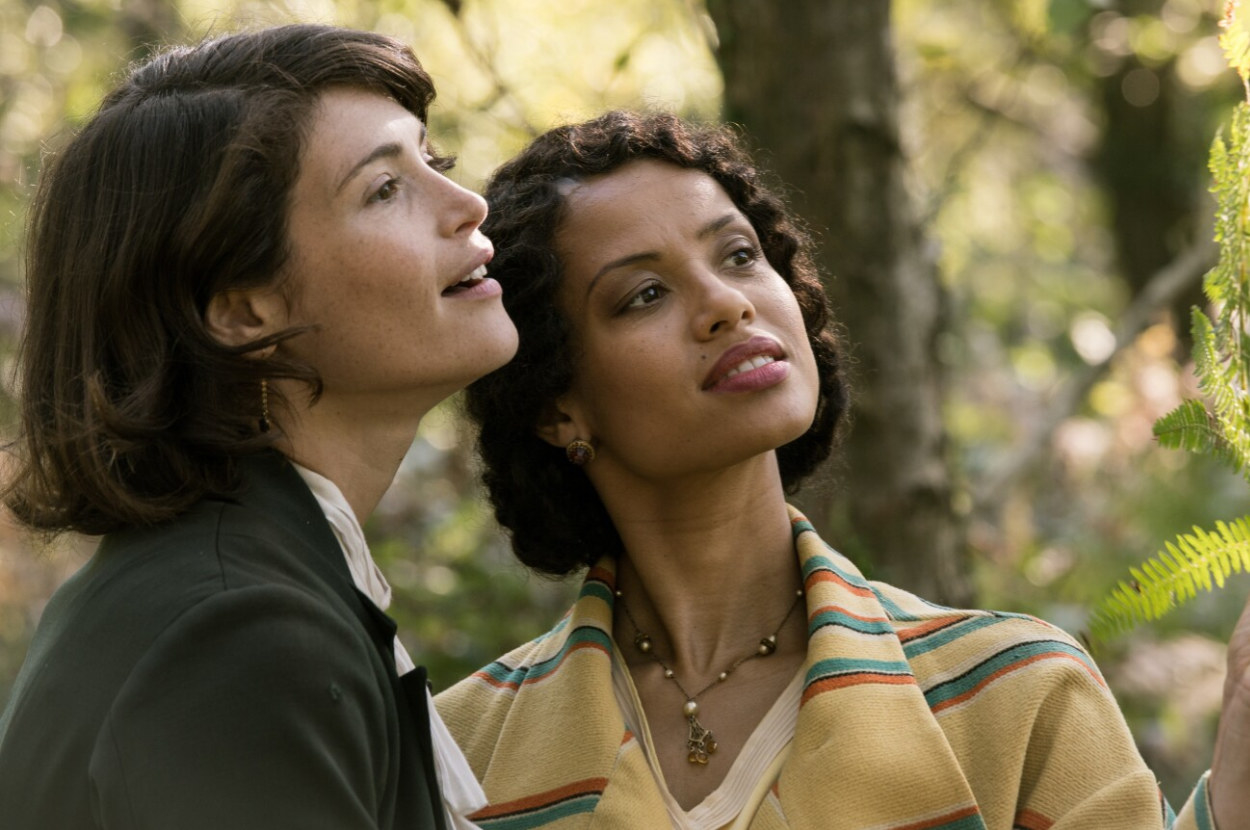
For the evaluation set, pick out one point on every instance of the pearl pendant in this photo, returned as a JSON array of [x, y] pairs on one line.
[[690, 708]]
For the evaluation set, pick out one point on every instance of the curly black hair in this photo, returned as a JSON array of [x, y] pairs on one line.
[[555, 518]]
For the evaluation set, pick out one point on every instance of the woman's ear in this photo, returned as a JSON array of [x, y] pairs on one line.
[[561, 423], [244, 315]]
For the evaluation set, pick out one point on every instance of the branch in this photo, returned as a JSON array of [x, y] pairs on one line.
[[1167, 284], [501, 91]]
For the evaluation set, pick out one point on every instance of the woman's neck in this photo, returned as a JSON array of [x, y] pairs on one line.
[[360, 454], [709, 569]]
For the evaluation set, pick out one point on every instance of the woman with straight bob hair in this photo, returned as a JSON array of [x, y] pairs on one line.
[[248, 279], [678, 372]]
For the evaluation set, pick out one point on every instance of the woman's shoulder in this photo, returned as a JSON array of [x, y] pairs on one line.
[[955, 650], [142, 581], [477, 708], [500, 679]]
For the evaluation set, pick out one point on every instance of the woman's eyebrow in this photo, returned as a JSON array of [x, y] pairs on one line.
[[389, 150], [630, 259]]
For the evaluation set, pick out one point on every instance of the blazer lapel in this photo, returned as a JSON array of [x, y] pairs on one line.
[[274, 487], [867, 752], [414, 719]]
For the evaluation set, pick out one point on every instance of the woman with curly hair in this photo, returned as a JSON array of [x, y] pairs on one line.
[[678, 372], [249, 279]]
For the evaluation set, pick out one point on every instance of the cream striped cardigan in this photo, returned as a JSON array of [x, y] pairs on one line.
[[913, 717]]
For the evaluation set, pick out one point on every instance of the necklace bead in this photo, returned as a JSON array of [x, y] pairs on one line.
[[701, 743]]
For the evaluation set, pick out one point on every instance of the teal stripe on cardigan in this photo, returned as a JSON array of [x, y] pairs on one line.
[[542, 816], [596, 588], [966, 823], [1004, 659], [824, 563], [583, 635], [560, 625], [937, 639], [850, 665], [1169, 815], [893, 609], [800, 527], [839, 618], [973, 822], [1201, 806]]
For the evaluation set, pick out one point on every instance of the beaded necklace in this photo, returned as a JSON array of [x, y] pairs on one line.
[[701, 743]]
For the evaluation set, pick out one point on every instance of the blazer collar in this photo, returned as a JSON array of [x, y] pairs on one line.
[[272, 487]]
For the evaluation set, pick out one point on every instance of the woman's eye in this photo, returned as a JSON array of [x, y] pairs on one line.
[[743, 256], [386, 192], [646, 296]]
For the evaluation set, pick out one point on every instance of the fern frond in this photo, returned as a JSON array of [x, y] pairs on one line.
[[1192, 428], [1202, 560], [1220, 428], [1235, 38], [1188, 427]]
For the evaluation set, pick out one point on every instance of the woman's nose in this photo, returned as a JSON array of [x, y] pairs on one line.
[[722, 306], [462, 210]]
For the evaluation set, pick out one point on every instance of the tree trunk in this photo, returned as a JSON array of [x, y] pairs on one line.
[[813, 84]]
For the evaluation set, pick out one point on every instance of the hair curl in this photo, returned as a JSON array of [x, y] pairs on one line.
[[555, 518], [177, 189]]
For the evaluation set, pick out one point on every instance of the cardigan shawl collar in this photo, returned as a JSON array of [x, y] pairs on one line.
[[875, 748]]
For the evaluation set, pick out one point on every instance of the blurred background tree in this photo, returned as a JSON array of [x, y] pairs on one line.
[[1011, 199]]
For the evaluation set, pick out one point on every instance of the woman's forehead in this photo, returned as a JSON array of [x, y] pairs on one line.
[[641, 191]]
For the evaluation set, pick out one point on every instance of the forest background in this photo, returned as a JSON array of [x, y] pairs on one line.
[[1011, 198]]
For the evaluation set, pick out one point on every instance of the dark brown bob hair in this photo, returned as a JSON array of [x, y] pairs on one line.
[[555, 518], [175, 190]]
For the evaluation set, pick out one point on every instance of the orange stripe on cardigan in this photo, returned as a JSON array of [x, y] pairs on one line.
[[843, 681], [590, 786], [823, 575], [990, 678], [947, 820], [1030, 820]]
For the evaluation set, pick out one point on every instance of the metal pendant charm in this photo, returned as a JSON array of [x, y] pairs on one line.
[[701, 743]]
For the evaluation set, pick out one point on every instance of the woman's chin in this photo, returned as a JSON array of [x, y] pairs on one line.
[[500, 347]]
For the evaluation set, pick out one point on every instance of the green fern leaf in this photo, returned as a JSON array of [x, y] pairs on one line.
[[1199, 560], [1235, 39], [1220, 426]]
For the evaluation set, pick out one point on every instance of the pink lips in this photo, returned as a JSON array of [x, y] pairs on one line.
[[475, 289], [475, 283], [757, 377]]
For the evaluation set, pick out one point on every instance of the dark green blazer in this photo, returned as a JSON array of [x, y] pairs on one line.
[[218, 672]]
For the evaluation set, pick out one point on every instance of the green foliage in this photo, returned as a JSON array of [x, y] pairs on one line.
[[1192, 428], [1220, 427], [1198, 560], [1235, 39]]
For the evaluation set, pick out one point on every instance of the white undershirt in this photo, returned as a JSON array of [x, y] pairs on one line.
[[735, 802], [461, 793]]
